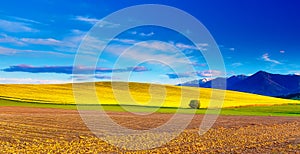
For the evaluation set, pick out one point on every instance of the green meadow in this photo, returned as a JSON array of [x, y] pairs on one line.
[[274, 110]]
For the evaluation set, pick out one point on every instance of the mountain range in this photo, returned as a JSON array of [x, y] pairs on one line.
[[262, 83]]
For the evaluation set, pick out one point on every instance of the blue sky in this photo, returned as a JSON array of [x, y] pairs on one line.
[[39, 40]]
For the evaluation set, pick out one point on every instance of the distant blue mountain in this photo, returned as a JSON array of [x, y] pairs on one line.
[[262, 83], [292, 96]]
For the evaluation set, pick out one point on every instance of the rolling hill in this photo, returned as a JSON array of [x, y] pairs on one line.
[[138, 95]]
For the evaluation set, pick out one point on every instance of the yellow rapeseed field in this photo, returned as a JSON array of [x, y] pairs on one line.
[[138, 94]]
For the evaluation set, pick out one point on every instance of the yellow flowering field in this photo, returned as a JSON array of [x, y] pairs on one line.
[[138, 94]]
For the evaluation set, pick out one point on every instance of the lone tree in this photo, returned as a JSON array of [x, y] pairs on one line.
[[194, 104]]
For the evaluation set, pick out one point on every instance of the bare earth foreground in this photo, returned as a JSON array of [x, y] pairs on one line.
[[37, 130]]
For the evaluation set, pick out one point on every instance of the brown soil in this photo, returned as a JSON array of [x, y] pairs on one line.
[[39, 129]]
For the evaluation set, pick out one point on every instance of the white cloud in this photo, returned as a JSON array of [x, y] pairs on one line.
[[139, 51], [142, 55], [206, 73], [163, 46], [282, 51], [69, 44], [30, 81], [226, 48], [92, 46], [142, 34], [42, 41], [158, 45], [126, 41], [16, 26], [14, 18], [198, 64], [147, 34], [87, 19], [12, 51], [209, 73], [134, 32], [155, 50], [26, 41], [8, 39], [236, 64], [202, 46], [267, 58], [185, 46], [94, 21], [71, 41], [78, 32]]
